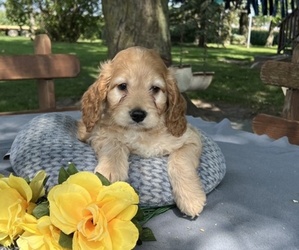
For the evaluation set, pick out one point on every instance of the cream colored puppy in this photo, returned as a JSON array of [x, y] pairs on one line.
[[135, 107]]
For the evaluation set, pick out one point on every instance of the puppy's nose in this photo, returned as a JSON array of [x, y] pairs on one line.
[[138, 115]]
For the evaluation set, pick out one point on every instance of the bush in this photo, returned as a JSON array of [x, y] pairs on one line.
[[259, 37], [238, 39], [189, 35]]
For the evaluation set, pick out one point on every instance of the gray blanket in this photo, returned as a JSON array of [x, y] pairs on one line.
[[254, 207]]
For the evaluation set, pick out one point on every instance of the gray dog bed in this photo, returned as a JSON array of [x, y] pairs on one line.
[[49, 142]]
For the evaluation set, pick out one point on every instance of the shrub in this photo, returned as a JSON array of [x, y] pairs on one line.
[[238, 39], [259, 37]]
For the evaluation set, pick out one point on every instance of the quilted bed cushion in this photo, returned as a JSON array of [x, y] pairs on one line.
[[49, 142]]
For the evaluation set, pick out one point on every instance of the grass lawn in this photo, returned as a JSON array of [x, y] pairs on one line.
[[234, 81]]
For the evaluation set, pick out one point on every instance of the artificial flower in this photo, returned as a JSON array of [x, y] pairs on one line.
[[17, 200], [39, 234], [98, 216]]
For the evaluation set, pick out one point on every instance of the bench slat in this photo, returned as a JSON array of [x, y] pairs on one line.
[[276, 127], [284, 74], [38, 66]]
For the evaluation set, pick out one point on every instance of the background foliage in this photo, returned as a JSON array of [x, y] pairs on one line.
[[193, 26], [192, 21], [62, 20]]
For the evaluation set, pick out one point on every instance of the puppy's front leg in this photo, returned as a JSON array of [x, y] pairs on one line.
[[187, 188], [113, 159]]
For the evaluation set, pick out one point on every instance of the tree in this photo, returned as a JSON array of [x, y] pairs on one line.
[[3, 18], [135, 22], [243, 23], [200, 20], [62, 20], [274, 21], [18, 11]]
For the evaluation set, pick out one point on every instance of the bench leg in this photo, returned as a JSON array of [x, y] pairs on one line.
[[46, 94]]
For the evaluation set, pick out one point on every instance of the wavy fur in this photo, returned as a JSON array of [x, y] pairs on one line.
[[135, 107]]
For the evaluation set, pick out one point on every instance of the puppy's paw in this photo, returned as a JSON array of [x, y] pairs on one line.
[[113, 174], [191, 203]]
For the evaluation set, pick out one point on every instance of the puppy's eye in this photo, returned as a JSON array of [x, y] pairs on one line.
[[122, 86], [155, 89]]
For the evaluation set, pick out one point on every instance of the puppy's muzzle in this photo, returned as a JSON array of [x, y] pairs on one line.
[[138, 115]]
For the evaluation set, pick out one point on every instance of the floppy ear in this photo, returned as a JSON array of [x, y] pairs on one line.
[[93, 100], [175, 114]]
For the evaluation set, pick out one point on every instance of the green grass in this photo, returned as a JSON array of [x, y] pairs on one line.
[[234, 81], [22, 95]]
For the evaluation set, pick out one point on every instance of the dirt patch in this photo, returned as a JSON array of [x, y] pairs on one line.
[[218, 111], [239, 116]]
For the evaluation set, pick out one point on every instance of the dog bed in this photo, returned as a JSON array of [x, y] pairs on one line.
[[49, 142]]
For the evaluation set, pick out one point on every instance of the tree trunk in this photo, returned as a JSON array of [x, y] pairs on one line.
[[31, 26], [243, 24], [270, 37], [135, 22], [202, 34], [227, 20]]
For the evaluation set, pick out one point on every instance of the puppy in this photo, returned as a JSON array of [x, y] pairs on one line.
[[135, 107]]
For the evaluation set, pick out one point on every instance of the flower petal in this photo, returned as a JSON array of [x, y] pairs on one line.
[[12, 211], [88, 181], [93, 225], [128, 213], [10, 197], [29, 224], [82, 243], [30, 243], [67, 202], [3, 183], [118, 199], [40, 235], [21, 186], [124, 234]]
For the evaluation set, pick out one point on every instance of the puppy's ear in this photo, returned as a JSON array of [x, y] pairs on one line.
[[175, 114], [93, 100]]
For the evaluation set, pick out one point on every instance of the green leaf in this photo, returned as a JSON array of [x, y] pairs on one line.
[[66, 241], [37, 185], [152, 212], [103, 179], [137, 224], [72, 169], [139, 216], [41, 210], [62, 175], [147, 235]]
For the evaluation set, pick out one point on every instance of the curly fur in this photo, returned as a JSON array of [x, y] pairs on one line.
[[135, 107]]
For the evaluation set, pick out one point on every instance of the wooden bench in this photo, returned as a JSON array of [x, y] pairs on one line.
[[283, 74], [42, 66]]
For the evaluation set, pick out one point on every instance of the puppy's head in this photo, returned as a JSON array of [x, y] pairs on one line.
[[135, 90]]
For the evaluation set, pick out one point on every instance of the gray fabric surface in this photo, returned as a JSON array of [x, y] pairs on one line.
[[49, 142], [254, 207]]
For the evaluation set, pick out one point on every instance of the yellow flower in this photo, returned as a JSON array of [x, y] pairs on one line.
[[39, 234], [99, 216], [16, 199]]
